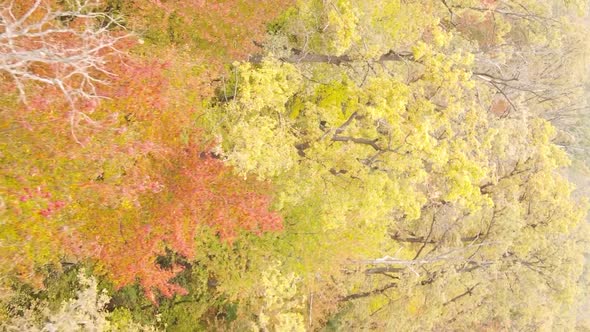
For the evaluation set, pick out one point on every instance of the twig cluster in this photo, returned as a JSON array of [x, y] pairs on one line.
[[43, 45]]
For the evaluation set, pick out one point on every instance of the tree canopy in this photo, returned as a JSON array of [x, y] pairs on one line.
[[293, 166]]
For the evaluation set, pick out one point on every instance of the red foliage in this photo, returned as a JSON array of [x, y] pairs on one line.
[[133, 190], [211, 194], [138, 87], [42, 198], [199, 192]]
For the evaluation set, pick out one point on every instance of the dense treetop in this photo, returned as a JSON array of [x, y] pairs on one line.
[[292, 166]]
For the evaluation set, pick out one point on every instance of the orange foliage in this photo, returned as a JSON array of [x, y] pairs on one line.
[[500, 106], [132, 189], [212, 33], [490, 3], [199, 192], [482, 30]]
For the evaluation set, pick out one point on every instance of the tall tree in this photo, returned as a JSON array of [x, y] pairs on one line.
[[386, 157]]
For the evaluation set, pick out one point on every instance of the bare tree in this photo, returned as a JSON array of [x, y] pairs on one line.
[[66, 48]]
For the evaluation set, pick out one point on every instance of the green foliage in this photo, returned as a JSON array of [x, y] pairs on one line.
[[403, 160], [262, 96], [84, 312], [381, 165]]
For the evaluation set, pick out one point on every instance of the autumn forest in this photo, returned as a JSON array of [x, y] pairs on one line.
[[294, 165]]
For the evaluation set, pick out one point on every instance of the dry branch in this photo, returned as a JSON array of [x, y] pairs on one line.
[[40, 46]]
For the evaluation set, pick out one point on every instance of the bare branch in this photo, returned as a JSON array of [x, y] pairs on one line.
[[299, 56], [370, 142], [73, 59], [369, 293], [469, 291], [449, 255]]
